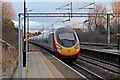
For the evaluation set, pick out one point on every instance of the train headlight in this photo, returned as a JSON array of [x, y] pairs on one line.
[[77, 46], [58, 47]]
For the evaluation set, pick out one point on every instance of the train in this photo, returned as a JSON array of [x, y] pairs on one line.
[[63, 42]]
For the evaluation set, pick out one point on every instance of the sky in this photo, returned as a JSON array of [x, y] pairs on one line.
[[60, 0], [50, 6]]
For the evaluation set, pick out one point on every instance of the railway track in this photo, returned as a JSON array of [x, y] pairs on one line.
[[77, 67], [103, 64], [86, 67], [110, 58], [89, 74], [97, 69]]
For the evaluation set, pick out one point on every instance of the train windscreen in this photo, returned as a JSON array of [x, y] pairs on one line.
[[67, 39], [67, 36]]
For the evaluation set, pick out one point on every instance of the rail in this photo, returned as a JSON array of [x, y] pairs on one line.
[[111, 58], [101, 64], [8, 57], [91, 74], [97, 44], [7, 45]]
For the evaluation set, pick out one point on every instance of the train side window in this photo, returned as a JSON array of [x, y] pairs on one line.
[[47, 38], [50, 38]]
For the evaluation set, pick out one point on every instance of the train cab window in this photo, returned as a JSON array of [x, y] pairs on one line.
[[67, 36], [67, 39]]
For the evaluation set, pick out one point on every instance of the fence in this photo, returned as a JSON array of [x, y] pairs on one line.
[[9, 59]]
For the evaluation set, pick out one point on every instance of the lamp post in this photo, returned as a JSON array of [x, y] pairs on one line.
[[24, 51], [27, 37], [19, 51]]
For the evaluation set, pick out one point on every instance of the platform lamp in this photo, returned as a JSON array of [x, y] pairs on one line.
[[27, 43]]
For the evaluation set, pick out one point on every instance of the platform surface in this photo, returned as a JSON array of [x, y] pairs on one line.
[[38, 66], [43, 65], [101, 49]]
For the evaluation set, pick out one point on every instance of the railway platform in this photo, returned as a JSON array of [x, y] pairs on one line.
[[101, 49], [40, 65], [111, 55]]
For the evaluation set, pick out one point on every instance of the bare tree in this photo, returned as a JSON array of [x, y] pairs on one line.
[[116, 10], [98, 21], [8, 14], [7, 11], [116, 7]]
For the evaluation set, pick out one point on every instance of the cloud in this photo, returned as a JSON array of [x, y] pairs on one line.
[[35, 25], [31, 23], [76, 22]]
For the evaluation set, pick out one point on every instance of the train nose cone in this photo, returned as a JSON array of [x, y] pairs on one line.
[[68, 51]]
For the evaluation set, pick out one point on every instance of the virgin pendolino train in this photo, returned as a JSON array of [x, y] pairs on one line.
[[62, 41]]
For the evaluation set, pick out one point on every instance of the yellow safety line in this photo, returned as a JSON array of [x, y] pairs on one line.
[[46, 67]]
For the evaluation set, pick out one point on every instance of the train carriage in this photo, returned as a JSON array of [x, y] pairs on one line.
[[63, 41]]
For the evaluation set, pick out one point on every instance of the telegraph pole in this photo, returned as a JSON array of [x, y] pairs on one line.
[[24, 51]]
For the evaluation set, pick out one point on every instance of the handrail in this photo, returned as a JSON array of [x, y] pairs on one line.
[[6, 43]]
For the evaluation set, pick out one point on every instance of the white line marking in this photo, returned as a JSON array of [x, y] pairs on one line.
[[67, 65], [46, 67]]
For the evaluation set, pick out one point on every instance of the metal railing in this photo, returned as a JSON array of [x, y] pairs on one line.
[[7, 45], [8, 49]]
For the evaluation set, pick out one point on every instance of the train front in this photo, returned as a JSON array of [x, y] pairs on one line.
[[67, 45]]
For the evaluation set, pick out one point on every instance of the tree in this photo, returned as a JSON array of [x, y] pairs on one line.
[[116, 10], [7, 14], [116, 7], [9, 32], [8, 23], [98, 21], [7, 11]]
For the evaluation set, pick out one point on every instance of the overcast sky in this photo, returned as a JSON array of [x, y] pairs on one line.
[[61, 0], [51, 7]]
